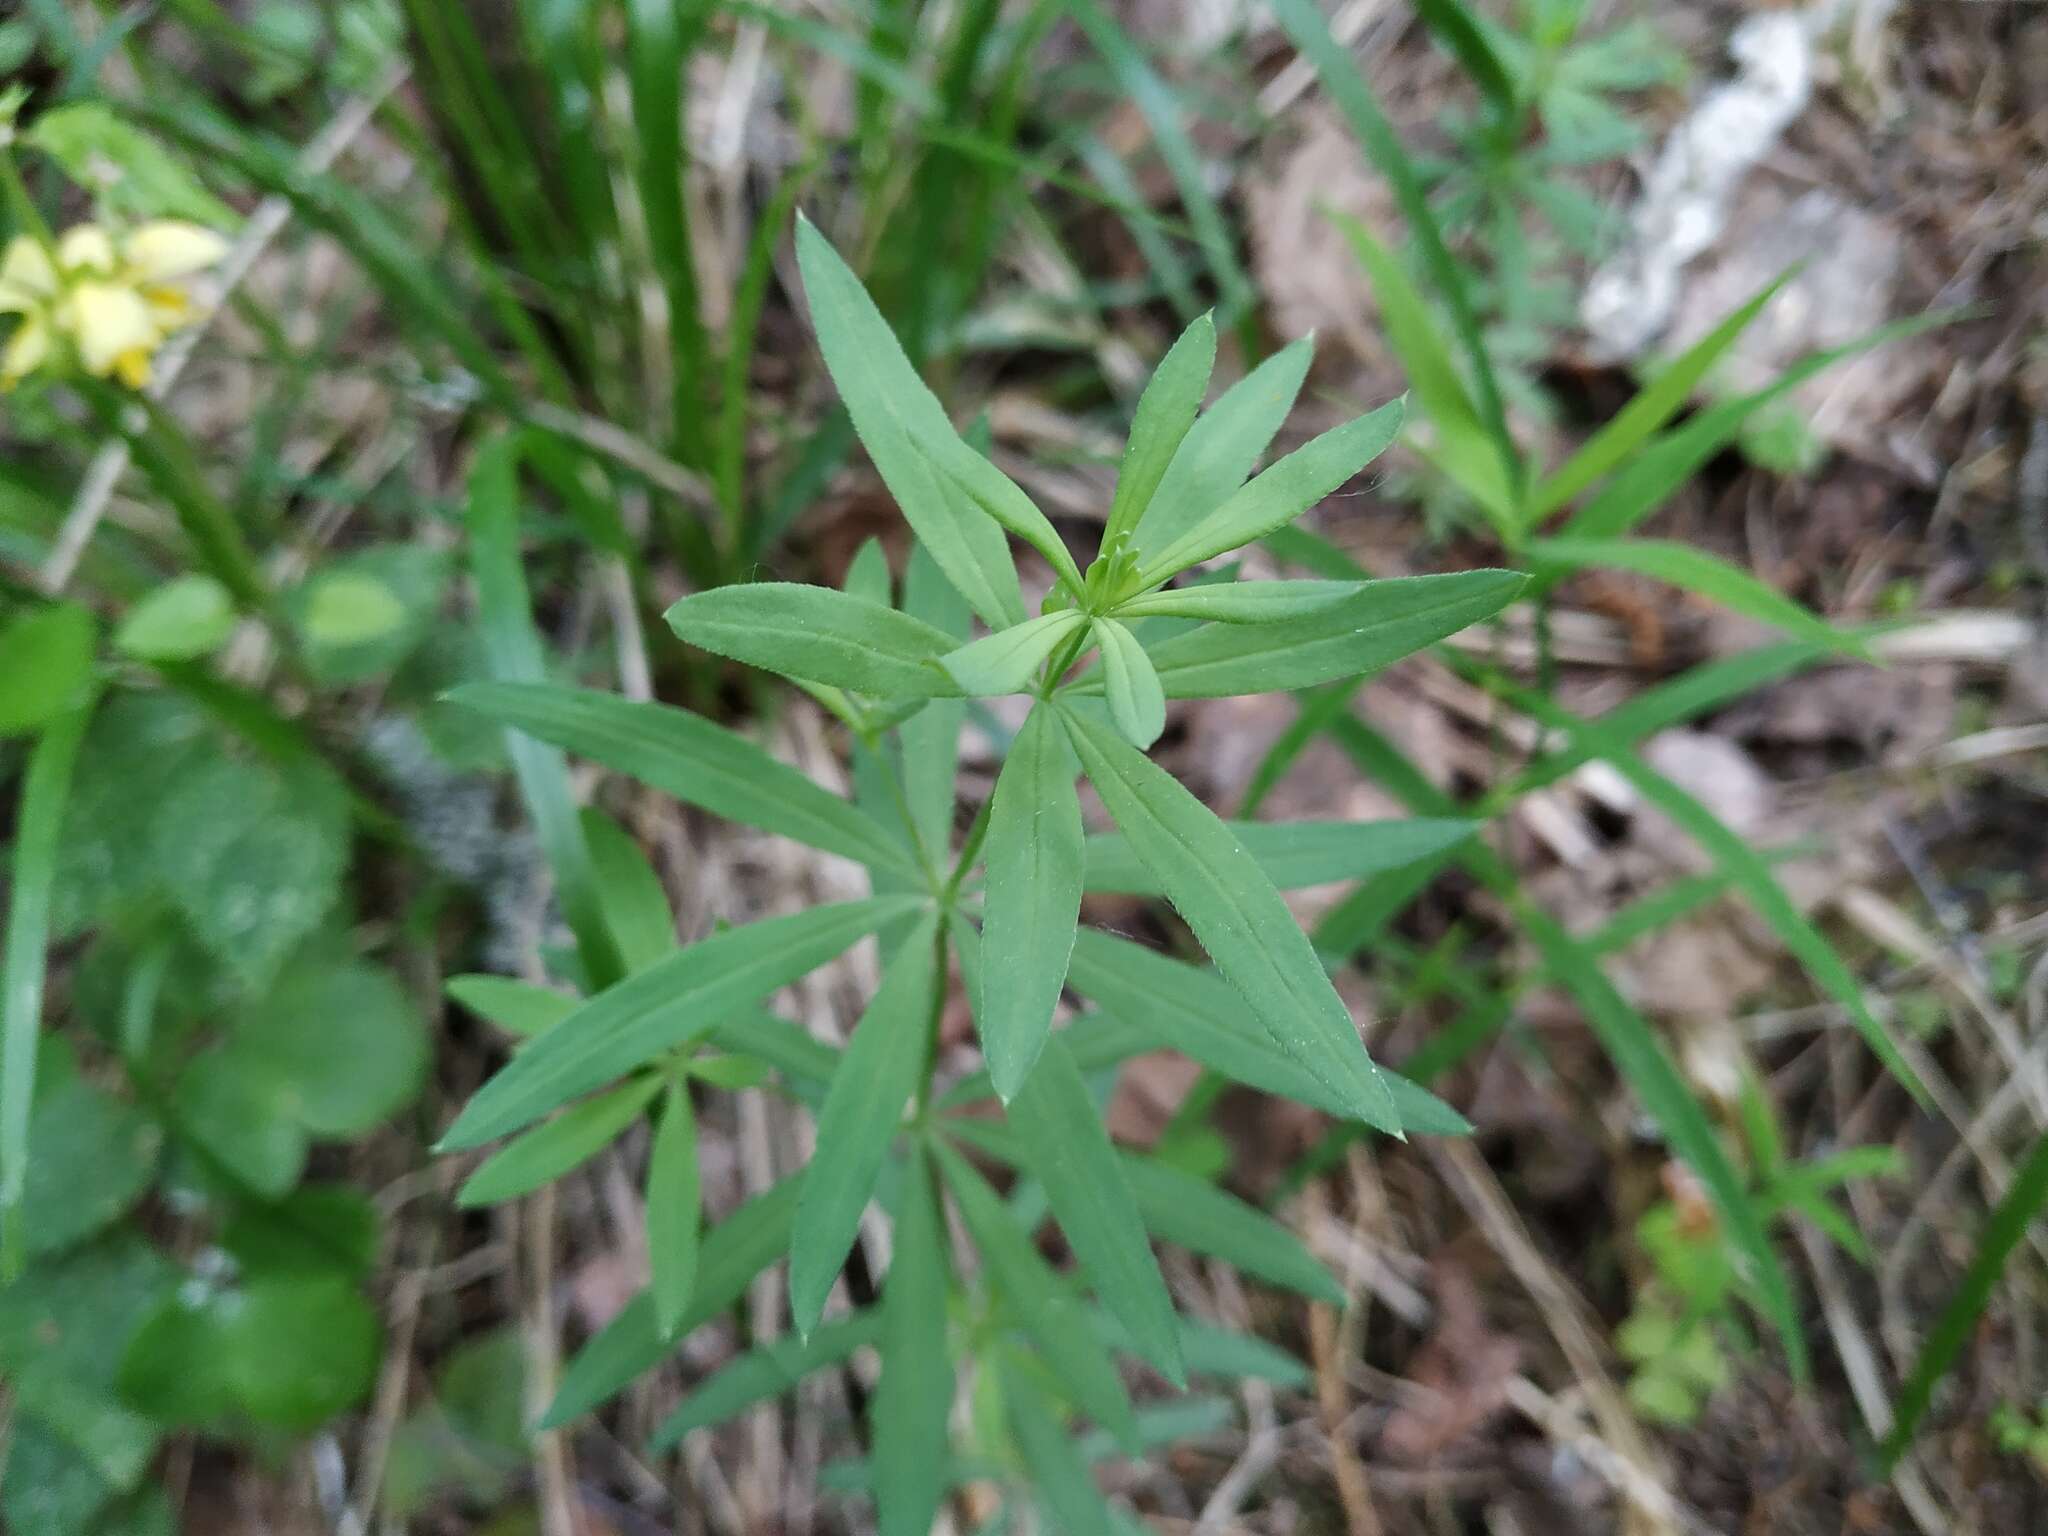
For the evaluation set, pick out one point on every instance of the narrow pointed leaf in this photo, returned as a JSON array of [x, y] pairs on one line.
[[629, 891], [1238, 917], [689, 757], [1064, 1142], [1006, 661], [1136, 702], [1281, 493], [862, 1114], [568, 1141], [914, 1399], [931, 737], [518, 1007], [675, 1000], [766, 1372], [1293, 853], [1032, 898], [1166, 411], [817, 635], [886, 399], [1241, 602], [1201, 1218], [1060, 1477], [1040, 1300], [733, 1253], [1217, 455], [674, 1217], [1000, 497]]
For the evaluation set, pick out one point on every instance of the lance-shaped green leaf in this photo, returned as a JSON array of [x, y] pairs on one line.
[[674, 1217], [863, 1111], [1064, 1142], [1238, 917], [673, 1001], [1293, 853], [999, 496], [1281, 493], [568, 1141], [687, 756], [1203, 1219], [1157, 1003], [1166, 411], [629, 892], [1218, 453], [1240, 602], [1040, 1301], [518, 1007], [817, 635], [1136, 702], [764, 1372], [733, 1253], [1385, 621], [1032, 898], [915, 1395], [1005, 661], [1697, 571], [886, 399], [1060, 1477]]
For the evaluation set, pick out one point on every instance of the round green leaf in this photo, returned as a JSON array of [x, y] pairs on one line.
[[45, 663], [351, 608], [179, 621]]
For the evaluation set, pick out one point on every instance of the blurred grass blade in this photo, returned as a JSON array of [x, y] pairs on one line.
[[1238, 918], [1182, 1209], [46, 786], [1695, 570], [670, 1003], [862, 1114], [1293, 853], [1456, 29], [674, 1214], [914, 1399], [1166, 413], [546, 1152], [1136, 702], [689, 757], [1067, 1146], [764, 1372], [1032, 899], [513, 650], [733, 1253], [1647, 410]]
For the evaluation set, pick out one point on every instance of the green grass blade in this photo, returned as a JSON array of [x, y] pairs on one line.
[[674, 1210], [46, 786], [689, 757], [914, 1399], [766, 1372], [862, 1113], [566, 1142], [1137, 703], [1238, 917], [1032, 899], [514, 651], [1182, 1209], [1166, 413], [1456, 29], [671, 1002], [1066, 1145]]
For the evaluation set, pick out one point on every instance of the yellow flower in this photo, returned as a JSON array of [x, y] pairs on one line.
[[113, 303]]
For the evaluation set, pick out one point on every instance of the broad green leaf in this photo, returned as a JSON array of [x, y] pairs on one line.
[[234, 1116], [674, 1225], [1198, 1216], [546, 1152], [1039, 1300], [1237, 916], [995, 493], [1293, 853], [687, 756], [635, 905], [1697, 571], [886, 400], [1218, 453], [765, 1372], [148, 180], [1006, 661], [817, 635], [46, 786], [1240, 602], [91, 1156], [316, 1229], [1060, 1478], [337, 1048], [1166, 413], [733, 1253], [1385, 621], [1157, 1003], [183, 619], [863, 1111], [914, 1399], [518, 1007], [1136, 702], [673, 1001], [1066, 1146], [1032, 898], [1647, 410], [1279, 494], [48, 666]]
